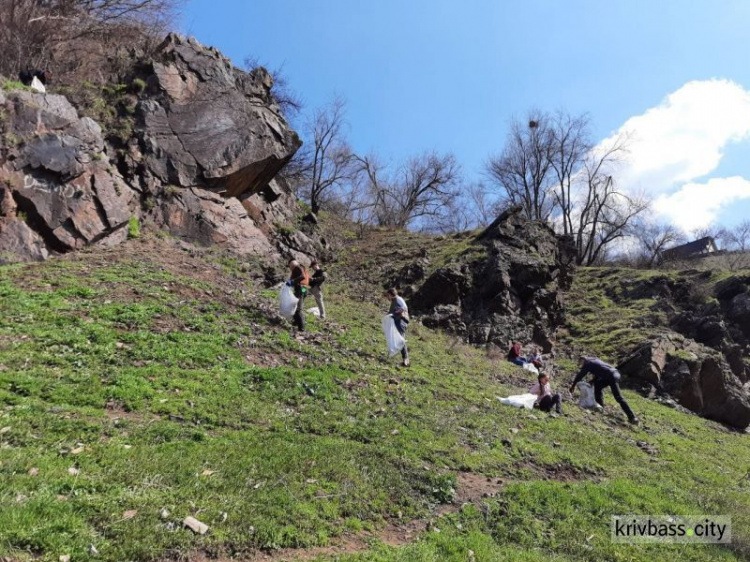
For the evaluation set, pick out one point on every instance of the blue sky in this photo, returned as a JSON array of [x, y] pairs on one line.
[[448, 75]]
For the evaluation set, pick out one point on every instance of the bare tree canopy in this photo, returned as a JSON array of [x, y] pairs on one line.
[[70, 38], [653, 238], [288, 100], [604, 212], [332, 162], [422, 188], [571, 144], [523, 170]]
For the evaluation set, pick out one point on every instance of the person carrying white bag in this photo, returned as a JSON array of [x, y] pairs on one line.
[[287, 301], [399, 312]]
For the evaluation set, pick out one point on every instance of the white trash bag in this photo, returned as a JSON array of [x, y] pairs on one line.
[[315, 311], [587, 399], [37, 85], [520, 400], [531, 367], [287, 302], [394, 340]]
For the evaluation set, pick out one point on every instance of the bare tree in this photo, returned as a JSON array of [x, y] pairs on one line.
[[737, 243], [77, 36], [287, 99], [523, 171], [481, 205], [737, 238], [604, 212], [332, 163], [653, 238], [571, 145], [422, 188]]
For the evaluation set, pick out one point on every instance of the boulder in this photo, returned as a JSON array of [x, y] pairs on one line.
[[696, 376], [203, 123], [506, 289], [60, 192], [209, 219]]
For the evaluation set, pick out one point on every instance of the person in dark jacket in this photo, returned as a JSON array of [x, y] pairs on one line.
[[300, 282], [316, 281], [400, 313], [605, 375]]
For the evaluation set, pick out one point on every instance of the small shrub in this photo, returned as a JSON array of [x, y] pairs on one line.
[[11, 140], [11, 85], [137, 85], [23, 217], [134, 228]]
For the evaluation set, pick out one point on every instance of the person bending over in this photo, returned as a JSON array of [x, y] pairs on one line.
[[605, 375]]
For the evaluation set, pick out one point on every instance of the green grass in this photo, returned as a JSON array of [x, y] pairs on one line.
[[134, 228], [171, 392], [11, 85]]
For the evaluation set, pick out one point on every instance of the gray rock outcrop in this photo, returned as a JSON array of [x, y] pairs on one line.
[[196, 150], [505, 288], [696, 376], [58, 190]]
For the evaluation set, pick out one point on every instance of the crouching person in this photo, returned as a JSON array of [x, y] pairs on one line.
[[545, 399]]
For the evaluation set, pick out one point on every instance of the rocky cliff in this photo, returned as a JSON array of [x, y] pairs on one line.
[[685, 333], [198, 149], [505, 287]]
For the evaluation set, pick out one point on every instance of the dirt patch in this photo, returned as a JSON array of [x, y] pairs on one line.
[[470, 488], [116, 411], [559, 472]]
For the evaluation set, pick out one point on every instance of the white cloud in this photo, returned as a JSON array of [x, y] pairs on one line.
[[697, 205], [682, 138]]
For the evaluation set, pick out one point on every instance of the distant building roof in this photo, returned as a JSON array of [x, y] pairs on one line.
[[705, 245]]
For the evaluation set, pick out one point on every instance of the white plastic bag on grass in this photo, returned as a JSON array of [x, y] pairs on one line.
[[520, 400], [531, 367], [587, 399], [287, 302], [394, 340], [315, 311]]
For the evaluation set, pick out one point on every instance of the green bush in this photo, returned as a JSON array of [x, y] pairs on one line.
[[134, 228]]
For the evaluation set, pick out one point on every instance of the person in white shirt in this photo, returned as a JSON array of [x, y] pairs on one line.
[[545, 399], [400, 313]]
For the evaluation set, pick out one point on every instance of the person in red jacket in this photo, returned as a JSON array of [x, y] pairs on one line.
[[514, 354]]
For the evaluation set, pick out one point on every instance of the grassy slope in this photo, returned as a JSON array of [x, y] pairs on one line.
[[163, 366], [603, 320]]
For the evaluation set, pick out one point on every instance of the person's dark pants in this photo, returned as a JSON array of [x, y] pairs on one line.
[[612, 381], [299, 315], [547, 402], [401, 328], [520, 361]]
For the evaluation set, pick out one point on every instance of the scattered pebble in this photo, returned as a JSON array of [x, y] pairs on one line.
[[129, 514], [64, 558], [196, 526], [33, 471]]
